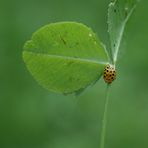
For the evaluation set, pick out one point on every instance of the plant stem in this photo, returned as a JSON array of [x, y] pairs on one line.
[[104, 121]]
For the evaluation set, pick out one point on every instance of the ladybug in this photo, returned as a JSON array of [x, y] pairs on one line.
[[109, 73]]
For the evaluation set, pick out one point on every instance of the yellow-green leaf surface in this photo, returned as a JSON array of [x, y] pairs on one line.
[[65, 57], [119, 13]]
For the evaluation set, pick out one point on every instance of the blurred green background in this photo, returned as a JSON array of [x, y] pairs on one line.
[[31, 117]]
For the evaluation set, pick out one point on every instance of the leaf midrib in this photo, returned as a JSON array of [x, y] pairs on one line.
[[69, 58]]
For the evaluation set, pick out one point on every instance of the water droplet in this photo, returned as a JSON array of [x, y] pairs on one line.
[[90, 34]]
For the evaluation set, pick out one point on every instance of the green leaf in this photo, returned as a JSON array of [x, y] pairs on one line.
[[65, 57], [119, 13]]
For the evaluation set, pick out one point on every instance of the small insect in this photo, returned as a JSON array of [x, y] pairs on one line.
[[109, 74]]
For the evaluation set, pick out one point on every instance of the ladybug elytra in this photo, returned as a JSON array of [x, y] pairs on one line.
[[109, 73]]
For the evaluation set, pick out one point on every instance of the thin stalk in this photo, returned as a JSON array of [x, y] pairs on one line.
[[104, 121]]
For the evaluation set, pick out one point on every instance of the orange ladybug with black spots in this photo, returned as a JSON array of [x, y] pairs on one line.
[[109, 73]]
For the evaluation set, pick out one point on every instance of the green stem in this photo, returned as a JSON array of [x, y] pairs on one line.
[[104, 121]]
